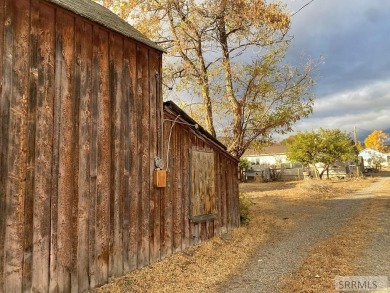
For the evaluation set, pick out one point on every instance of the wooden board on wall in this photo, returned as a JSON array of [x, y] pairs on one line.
[[131, 204], [117, 155], [43, 150], [185, 170], [203, 196], [155, 120], [177, 189], [31, 144], [144, 155], [64, 96], [166, 201], [4, 112], [15, 95], [101, 37], [83, 87]]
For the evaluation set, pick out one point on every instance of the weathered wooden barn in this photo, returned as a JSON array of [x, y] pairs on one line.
[[82, 127]]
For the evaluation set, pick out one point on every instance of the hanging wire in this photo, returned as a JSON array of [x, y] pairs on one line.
[[175, 121], [169, 138]]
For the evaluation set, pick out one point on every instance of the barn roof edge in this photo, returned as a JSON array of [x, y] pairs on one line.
[[175, 108], [103, 16]]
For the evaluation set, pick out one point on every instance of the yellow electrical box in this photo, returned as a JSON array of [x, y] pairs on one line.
[[160, 178]]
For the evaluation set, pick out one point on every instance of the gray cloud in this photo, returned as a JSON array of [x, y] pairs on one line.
[[367, 107], [353, 85]]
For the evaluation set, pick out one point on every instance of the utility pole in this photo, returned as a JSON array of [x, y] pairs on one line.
[[355, 135], [358, 170]]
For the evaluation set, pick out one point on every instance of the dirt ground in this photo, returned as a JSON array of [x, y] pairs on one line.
[[256, 256], [342, 231]]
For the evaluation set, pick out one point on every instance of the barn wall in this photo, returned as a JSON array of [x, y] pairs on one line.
[[80, 109], [81, 125], [177, 230]]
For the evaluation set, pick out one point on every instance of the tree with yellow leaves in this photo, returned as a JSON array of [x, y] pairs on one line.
[[376, 141], [228, 55]]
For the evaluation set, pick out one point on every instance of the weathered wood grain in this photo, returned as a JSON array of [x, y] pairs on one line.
[[185, 170], [53, 285], [155, 127], [224, 193], [103, 157], [15, 82], [64, 94], [217, 220], [202, 183], [132, 201], [94, 161], [125, 122], [4, 114], [166, 202], [177, 190], [229, 199], [81, 124], [117, 136], [31, 143], [83, 86], [235, 195], [144, 148], [44, 148]]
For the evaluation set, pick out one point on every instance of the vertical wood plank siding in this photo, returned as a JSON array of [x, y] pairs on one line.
[[178, 230], [81, 123]]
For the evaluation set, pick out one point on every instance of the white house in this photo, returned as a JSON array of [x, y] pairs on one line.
[[370, 157], [272, 157], [268, 157]]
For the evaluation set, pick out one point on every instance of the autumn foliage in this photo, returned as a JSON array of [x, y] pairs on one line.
[[377, 141], [228, 57]]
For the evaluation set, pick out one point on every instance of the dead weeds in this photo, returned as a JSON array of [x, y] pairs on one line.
[[335, 256], [307, 189], [204, 268], [201, 268]]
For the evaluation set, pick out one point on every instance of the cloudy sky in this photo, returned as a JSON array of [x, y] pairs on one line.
[[353, 84]]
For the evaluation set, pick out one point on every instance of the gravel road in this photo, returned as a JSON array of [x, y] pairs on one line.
[[284, 252], [375, 261]]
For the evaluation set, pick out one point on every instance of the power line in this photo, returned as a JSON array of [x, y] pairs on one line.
[[301, 8]]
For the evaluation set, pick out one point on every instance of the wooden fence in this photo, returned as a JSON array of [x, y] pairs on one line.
[[81, 125]]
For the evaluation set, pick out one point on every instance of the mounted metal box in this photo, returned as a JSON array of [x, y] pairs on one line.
[[160, 178]]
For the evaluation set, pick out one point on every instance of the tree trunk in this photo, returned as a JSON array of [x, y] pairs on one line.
[[317, 173], [208, 108], [326, 169], [236, 107]]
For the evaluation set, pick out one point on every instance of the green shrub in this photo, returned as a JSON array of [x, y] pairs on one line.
[[245, 203]]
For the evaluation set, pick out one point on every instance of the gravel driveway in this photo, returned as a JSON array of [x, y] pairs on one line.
[[284, 252]]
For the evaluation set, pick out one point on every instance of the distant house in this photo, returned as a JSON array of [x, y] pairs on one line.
[[270, 156], [371, 157], [274, 158]]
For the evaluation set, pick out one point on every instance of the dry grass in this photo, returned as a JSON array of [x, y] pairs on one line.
[[335, 256], [308, 189], [206, 267], [202, 268], [334, 188]]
